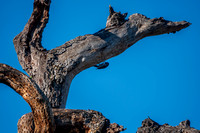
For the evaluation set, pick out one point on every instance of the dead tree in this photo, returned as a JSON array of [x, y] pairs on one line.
[[51, 71]]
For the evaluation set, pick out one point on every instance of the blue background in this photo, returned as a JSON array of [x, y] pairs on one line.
[[157, 77]]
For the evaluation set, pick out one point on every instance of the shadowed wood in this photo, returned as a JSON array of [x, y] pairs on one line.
[[74, 121], [54, 70], [51, 71], [24, 86]]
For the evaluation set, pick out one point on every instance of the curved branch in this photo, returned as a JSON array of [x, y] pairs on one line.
[[89, 50], [23, 85], [54, 70], [28, 43]]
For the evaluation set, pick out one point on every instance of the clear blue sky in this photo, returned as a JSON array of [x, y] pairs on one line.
[[157, 77]]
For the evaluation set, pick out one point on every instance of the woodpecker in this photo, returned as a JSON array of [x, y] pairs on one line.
[[102, 65]]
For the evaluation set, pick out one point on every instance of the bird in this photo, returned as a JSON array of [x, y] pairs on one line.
[[102, 65]]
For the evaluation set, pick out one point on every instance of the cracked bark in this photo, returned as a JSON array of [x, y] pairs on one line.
[[24, 86], [44, 119], [74, 121], [150, 126], [53, 70]]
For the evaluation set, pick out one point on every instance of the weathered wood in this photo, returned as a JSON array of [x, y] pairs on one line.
[[24, 86], [54, 70], [76, 121], [51, 71]]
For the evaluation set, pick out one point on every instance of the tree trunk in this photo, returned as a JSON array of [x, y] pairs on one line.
[[54, 70], [51, 71], [45, 120]]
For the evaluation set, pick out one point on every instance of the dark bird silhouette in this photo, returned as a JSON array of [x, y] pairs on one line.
[[102, 65]]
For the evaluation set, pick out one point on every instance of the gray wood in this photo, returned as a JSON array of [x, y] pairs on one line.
[[52, 71]]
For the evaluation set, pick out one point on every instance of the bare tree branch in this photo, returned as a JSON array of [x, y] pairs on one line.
[[74, 121], [86, 51], [28, 43], [32, 56], [24, 86], [54, 70]]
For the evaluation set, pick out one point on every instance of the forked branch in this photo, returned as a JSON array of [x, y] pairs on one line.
[[54, 70]]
